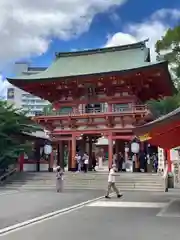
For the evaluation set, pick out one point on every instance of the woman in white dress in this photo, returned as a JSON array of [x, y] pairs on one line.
[[100, 157], [59, 179]]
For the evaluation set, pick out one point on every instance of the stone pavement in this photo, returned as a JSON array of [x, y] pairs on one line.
[[110, 222]]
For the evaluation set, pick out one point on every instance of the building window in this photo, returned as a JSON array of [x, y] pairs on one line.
[[10, 93], [121, 107], [25, 95], [65, 110], [125, 94]]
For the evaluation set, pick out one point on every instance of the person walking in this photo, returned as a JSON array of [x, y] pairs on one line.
[[112, 182], [142, 161], [155, 162], [59, 179], [115, 159], [94, 161], [79, 162], [86, 162], [120, 161]]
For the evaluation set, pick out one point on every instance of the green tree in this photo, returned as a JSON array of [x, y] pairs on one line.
[[48, 110], [170, 46], [164, 106], [13, 123]]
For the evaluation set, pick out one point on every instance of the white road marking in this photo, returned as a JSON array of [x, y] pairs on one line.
[[45, 217], [8, 192], [163, 210], [127, 204]]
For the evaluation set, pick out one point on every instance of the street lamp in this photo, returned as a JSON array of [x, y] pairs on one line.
[[47, 149], [135, 148]]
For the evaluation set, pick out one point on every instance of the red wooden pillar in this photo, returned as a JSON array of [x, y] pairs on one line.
[[58, 160], [90, 153], [110, 150], [169, 160], [69, 154], [109, 107], [73, 149], [61, 153], [21, 162]]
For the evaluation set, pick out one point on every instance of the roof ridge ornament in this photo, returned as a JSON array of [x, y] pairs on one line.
[[102, 50]]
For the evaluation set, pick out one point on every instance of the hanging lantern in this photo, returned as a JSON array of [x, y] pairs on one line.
[[47, 149], [135, 147]]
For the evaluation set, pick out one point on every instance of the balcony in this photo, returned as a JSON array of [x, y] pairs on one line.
[[136, 109]]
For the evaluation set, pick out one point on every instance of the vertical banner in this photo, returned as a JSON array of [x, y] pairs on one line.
[[161, 160], [175, 158]]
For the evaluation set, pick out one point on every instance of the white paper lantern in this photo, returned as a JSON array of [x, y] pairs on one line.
[[135, 147], [47, 149]]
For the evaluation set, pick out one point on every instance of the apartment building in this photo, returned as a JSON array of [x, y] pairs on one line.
[[24, 100]]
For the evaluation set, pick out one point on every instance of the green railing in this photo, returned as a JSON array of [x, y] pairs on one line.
[[68, 111]]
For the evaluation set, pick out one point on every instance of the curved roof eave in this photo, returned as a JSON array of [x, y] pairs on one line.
[[50, 74], [69, 64], [163, 119]]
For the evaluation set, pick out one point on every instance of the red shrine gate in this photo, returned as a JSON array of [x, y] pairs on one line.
[[92, 126], [97, 93]]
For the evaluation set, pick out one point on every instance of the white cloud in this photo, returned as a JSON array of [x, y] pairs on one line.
[[120, 38], [153, 28], [114, 17], [163, 13], [27, 27]]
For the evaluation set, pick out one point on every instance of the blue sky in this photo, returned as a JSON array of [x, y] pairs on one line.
[[39, 29], [106, 24]]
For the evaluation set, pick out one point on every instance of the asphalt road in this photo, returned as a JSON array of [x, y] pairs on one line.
[[91, 222], [16, 207]]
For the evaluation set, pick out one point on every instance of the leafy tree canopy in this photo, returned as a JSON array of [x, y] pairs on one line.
[[48, 109], [164, 106], [13, 123], [170, 46]]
